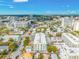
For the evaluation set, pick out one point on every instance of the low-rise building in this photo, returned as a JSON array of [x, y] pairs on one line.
[[70, 40], [54, 56], [2, 48], [20, 23], [69, 53], [26, 55], [28, 49], [5, 38]]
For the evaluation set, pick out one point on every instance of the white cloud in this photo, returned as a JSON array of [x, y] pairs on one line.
[[5, 5], [20, 0]]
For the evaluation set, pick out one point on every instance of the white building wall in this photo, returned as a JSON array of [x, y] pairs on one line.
[[76, 25], [40, 42], [70, 43]]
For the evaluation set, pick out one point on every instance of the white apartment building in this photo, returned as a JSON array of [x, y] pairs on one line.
[[73, 53], [70, 40], [20, 23], [69, 53], [66, 21], [76, 24], [40, 43]]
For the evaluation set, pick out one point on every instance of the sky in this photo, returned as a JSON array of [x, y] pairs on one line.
[[12, 7]]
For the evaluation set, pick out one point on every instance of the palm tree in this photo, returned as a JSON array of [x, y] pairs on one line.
[[40, 56], [51, 48], [26, 41]]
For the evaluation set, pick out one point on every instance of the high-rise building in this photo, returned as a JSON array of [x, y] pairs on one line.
[[76, 24], [40, 43]]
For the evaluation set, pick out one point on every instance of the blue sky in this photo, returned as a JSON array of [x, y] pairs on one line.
[[39, 7]]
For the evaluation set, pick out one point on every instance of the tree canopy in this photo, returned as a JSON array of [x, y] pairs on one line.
[[40, 56], [51, 48], [26, 41]]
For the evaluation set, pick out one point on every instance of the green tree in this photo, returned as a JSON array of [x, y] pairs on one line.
[[50, 35], [11, 40], [40, 56], [26, 41], [58, 34], [12, 47], [51, 48], [4, 52]]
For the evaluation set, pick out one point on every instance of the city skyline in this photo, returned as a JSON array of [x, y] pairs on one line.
[[40, 37]]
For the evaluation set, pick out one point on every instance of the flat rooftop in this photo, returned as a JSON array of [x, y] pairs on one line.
[[69, 50], [40, 38], [72, 38], [72, 51]]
